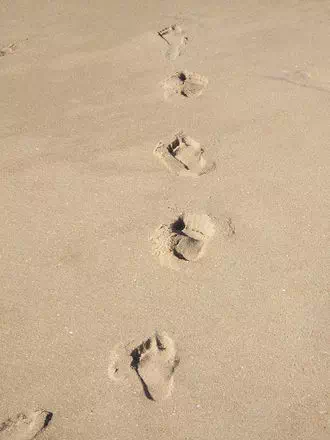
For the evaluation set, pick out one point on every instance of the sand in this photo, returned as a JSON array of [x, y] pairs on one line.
[[83, 107]]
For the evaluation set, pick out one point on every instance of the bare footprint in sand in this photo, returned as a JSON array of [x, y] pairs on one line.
[[176, 39], [154, 362], [188, 84], [9, 50], [25, 427], [310, 77], [184, 239], [184, 157]]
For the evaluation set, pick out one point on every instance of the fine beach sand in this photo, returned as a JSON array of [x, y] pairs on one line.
[[96, 323]]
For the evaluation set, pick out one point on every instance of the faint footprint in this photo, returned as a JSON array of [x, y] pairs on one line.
[[177, 40], [154, 362], [310, 78], [9, 50], [188, 84], [25, 427], [184, 239], [183, 156]]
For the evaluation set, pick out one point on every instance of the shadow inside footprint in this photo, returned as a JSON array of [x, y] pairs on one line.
[[178, 225], [48, 419], [135, 365]]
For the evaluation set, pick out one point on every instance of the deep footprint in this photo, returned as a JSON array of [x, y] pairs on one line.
[[176, 39], [184, 239], [188, 84], [25, 427], [155, 361], [184, 157]]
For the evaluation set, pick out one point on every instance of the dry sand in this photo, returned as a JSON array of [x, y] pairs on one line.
[[82, 109]]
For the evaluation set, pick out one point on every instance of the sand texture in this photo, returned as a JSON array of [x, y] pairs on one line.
[[164, 238]]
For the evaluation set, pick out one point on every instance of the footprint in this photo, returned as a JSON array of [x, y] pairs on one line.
[[9, 50], [310, 77], [25, 427], [184, 239], [183, 156], [177, 40], [154, 361], [188, 84]]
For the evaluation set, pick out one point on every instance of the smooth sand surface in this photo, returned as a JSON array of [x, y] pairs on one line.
[[82, 109]]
